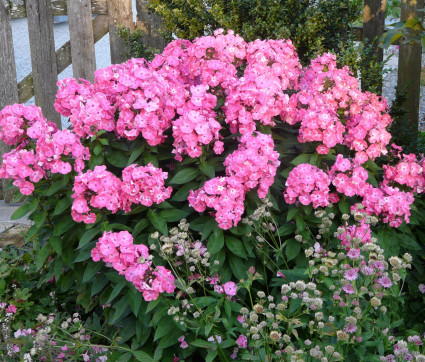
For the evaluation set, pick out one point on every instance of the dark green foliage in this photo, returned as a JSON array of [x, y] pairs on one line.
[[313, 26], [132, 41], [404, 134]]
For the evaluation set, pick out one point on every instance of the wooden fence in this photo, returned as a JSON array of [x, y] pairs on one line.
[[89, 21]]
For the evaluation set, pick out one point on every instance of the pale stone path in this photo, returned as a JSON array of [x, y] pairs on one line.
[[6, 211]]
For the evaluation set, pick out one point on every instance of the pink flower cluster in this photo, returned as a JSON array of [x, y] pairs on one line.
[[332, 110], [408, 171], [88, 109], [348, 177], [99, 188], [197, 125], [133, 261], [225, 195], [255, 162], [144, 185], [391, 204], [40, 147], [260, 95], [308, 184], [102, 189]]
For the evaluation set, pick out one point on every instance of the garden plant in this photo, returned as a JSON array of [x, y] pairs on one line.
[[221, 202]]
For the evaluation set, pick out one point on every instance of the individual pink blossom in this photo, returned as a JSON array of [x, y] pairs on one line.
[[353, 253], [385, 282], [183, 343], [351, 274], [348, 288], [242, 341], [230, 288], [421, 288], [11, 309]]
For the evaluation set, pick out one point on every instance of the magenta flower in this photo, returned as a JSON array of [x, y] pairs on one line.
[[348, 288], [351, 274], [242, 341], [230, 288], [385, 282]]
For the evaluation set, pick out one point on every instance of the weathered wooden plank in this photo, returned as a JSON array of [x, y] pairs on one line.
[[43, 57], [409, 66], [373, 28], [63, 57], [8, 88], [60, 7], [120, 14], [150, 23], [82, 41]]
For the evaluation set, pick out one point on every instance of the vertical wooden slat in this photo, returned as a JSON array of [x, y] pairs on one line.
[[150, 23], [373, 28], [409, 66], [120, 13], [81, 37], [8, 84], [43, 57]]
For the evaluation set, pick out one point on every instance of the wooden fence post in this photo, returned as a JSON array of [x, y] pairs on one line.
[[373, 28], [120, 14], [150, 23], [81, 38], [43, 57], [409, 67], [8, 84]]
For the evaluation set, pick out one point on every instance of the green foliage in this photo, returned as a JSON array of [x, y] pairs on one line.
[[404, 134], [134, 45], [313, 26]]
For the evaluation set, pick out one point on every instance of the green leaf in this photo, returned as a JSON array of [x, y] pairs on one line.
[[165, 326], [135, 155], [56, 186], [117, 158], [292, 212], [90, 271], [292, 249], [158, 222], [97, 150], [56, 243], [117, 289], [207, 170], [87, 237], [120, 308], [344, 206], [303, 158], [152, 304], [134, 299], [62, 205], [172, 215], [203, 344], [64, 225], [142, 224], [42, 256], [286, 229], [142, 356], [236, 247], [183, 192], [25, 209], [185, 175], [216, 242]]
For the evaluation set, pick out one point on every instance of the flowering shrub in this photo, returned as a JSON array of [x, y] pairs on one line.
[[189, 182]]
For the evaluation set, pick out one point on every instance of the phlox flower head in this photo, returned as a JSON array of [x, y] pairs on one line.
[[255, 162], [225, 195], [242, 341], [308, 185]]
